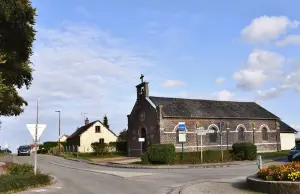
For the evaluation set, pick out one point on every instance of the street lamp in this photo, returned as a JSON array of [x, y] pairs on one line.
[[58, 131]]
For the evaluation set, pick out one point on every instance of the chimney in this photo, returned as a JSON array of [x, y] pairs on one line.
[[86, 122]]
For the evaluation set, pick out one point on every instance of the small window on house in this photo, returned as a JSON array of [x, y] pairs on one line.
[[101, 140], [264, 134], [97, 129], [241, 134], [213, 136]]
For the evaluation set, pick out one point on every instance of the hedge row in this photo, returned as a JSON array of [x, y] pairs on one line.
[[209, 156], [166, 154]]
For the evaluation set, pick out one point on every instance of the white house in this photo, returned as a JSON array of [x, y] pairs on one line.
[[92, 132], [287, 136], [64, 138]]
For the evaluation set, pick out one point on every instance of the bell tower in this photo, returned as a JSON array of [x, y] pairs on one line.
[[142, 90]]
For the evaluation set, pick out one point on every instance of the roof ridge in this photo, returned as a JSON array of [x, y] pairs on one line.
[[201, 99]]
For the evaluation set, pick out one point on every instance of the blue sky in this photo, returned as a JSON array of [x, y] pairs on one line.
[[89, 56]]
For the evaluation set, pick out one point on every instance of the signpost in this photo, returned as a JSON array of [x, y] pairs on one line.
[[181, 136], [201, 131], [141, 140], [36, 131]]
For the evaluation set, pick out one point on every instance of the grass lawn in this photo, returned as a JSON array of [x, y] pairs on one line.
[[269, 155]]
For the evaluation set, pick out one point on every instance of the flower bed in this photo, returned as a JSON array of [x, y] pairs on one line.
[[284, 172]]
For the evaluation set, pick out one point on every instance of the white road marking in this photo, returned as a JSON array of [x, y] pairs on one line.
[[40, 190]]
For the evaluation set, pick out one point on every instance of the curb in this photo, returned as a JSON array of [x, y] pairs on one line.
[[218, 165]]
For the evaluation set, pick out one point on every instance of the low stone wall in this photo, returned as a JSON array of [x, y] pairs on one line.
[[273, 187]]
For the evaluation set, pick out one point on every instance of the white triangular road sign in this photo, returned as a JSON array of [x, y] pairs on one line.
[[32, 128]]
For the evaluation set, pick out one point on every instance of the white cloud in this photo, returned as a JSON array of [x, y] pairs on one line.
[[289, 40], [262, 59], [261, 66], [269, 94], [224, 95], [220, 80], [248, 79], [172, 83], [79, 68], [292, 80], [265, 28]]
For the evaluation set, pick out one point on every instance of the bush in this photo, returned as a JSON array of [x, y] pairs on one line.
[[284, 172], [121, 146], [99, 148], [20, 169], [161, 153], [244, 151], [19, 182], [145, 158], [42, 151], [209, 156]]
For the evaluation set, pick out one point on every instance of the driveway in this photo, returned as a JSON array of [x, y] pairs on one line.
[[79, 177]]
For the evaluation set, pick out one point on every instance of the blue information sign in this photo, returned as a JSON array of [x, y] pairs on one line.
[[181, 126]]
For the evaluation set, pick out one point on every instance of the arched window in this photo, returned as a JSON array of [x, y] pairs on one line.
[[241, 134], [264, 132], [213, 136]]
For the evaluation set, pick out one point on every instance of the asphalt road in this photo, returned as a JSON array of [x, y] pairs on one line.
[[81, 178]]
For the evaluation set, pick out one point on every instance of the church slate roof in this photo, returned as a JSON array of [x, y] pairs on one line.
[[180, 107], [285, 128]]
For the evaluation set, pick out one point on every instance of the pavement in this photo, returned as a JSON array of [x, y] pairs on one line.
[[81, 177]]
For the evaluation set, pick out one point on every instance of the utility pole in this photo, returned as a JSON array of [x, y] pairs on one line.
[[36, 132], [58, 131]]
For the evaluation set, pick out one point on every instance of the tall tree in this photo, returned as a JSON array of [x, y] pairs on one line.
[[17, 34], [123, 135], [105, 122]]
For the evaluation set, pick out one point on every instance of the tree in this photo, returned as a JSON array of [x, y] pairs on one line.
[[105, 122], [17, 34], [123, 135]]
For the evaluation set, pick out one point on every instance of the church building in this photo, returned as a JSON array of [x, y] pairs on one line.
[[156, 120]]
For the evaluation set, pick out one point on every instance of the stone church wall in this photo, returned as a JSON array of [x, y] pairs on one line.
[[143, 115], [168, 134]]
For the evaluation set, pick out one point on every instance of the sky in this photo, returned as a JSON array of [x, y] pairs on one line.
[[89, 55]]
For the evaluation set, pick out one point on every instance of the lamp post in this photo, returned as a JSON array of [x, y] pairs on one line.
[[58, 131]]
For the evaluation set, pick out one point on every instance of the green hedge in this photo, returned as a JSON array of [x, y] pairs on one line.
[[244, 151], [209, 156], [43, 151], [161, 153], [144, 158], [9, 183]]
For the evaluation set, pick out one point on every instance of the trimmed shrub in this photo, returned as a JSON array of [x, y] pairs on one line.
[[99, 148], [20, 169], [209, 156], [9, 183], [161, 153], [43, 151], [121, 146], [244, 151], [145, 158]]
